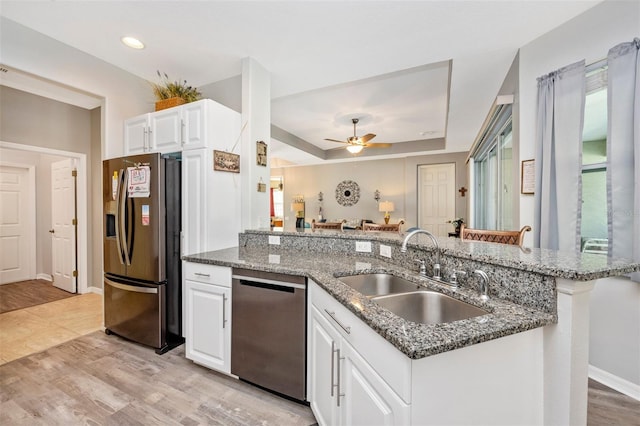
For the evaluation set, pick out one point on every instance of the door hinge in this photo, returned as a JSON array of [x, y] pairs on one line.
[[75, 274], [74, 221], [74, 173]]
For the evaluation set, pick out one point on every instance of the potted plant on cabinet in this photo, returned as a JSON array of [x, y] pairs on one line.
[[170, 93]]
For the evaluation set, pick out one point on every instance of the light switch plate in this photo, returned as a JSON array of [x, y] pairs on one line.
[[274, 239], [385, 250], [363, 246]]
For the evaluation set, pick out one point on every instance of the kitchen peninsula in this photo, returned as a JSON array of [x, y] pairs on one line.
[[524, 362]]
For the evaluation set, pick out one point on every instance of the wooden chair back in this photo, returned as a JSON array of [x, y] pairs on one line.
[[327, 225], [386, 227], [490, 236]]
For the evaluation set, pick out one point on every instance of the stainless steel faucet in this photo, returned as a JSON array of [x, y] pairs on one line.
[[423, 267], [436, 266], [484, 284], [453, 280]]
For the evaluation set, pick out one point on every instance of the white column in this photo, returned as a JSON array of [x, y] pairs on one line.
[[256, 119], [566, 356]]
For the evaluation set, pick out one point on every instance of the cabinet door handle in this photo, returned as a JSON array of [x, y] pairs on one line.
[[145, 136], [339, 378], [333, 351], [182, 129], [224, 310], [200, 274], [333, 317]]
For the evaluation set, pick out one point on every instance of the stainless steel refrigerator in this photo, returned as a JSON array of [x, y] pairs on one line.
[[142, 282]]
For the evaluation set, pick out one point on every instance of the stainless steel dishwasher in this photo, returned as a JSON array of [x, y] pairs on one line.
[[268, 331]]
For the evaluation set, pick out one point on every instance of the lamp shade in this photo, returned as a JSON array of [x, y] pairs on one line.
[[297, 207], [386, 206]]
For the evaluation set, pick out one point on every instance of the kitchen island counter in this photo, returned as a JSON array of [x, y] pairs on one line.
[[532, 346], [414, 340]]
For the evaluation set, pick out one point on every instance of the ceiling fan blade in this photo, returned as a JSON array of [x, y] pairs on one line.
[[366, 138], [377, 145], [335, 140]]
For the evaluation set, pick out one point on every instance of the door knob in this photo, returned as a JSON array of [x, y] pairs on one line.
[[52, 230]]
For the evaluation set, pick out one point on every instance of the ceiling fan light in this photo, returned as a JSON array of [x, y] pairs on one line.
[[354, 149]]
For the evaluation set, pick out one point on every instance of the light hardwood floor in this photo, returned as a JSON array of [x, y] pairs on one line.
[[100, 379]]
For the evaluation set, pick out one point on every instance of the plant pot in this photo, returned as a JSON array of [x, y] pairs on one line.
[[169, 103]]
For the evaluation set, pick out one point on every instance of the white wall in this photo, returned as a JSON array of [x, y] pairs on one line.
[[125, 94], [396, 179], [615, 304], [615, 328]]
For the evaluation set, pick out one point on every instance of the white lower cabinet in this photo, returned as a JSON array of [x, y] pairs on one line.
[[344, 388], [322, 369], [368, 400], [207, 307], [356, 377]]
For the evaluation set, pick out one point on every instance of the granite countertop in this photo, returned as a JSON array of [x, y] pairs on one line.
[[413, 339], [573, 266]]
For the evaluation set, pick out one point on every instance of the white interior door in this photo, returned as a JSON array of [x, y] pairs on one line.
[[437, 198], [17, 224], [63, 230]]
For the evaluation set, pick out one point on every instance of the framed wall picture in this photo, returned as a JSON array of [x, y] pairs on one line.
[[528, 177], [226, 162], [261, 153]]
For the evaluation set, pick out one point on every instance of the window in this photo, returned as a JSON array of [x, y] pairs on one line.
[[493, 173], [277, 196], [594, 230]]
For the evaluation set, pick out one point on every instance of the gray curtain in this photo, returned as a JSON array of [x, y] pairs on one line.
[[623, 152], [558, 167]]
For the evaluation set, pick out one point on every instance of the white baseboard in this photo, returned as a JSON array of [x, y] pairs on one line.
[[45, 277], [96, 290], [615, 382]]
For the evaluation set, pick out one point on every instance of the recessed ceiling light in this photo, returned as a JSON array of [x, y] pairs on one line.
[[132, 42]]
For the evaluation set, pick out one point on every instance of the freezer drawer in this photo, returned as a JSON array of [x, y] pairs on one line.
[[135, 311]]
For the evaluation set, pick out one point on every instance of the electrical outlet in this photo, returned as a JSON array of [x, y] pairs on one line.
[[274, 258], [385, 250], [363, 246], [274, 239]]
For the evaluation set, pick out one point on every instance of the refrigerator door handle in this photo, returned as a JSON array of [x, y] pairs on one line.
[[124, 239], [135, 289], [118, 217]]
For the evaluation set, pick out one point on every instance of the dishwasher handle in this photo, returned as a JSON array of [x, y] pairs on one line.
[[268, 284]]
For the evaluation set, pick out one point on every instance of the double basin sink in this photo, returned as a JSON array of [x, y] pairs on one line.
[[410, 301]]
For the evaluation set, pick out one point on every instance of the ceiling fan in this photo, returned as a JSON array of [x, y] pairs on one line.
[[355, 143]]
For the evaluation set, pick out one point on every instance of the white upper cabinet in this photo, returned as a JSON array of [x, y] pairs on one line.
[[194, 124], [169, 130], [166, 130], [136, 131], [211, 199]]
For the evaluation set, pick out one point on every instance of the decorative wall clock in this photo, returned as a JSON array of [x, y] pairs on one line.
[[347, 193]]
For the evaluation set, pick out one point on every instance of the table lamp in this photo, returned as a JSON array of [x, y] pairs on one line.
[[386, 207], [298, 207]]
